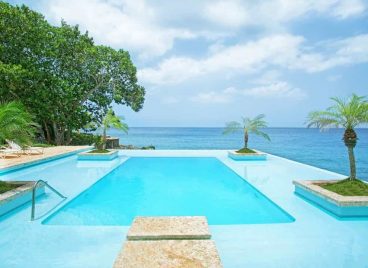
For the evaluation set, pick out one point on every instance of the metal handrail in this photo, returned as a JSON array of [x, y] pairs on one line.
[[34, 188]]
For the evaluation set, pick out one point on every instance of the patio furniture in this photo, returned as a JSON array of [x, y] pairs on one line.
[[27, 149], [4, 152]]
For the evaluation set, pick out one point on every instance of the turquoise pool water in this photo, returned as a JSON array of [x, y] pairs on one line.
[[170, 186]]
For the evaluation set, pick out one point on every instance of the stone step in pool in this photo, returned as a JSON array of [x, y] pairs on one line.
[[160, 228], [168, 242]]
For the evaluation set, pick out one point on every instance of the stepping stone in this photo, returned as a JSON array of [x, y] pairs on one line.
[[159, 228], [168, 254]]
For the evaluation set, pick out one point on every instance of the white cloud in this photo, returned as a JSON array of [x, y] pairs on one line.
[[228, 13], [242, 58], [212, 97], [127, 24], [147, 29], [285, 51], [267, 13], [278, 89], [352, 50], [345, 9]]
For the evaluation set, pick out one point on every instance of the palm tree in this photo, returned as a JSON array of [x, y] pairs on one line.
[[347, 114], [16, 123], [248, 125], [111, 120]]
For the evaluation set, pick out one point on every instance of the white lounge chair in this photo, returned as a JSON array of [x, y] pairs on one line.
[[4, 152], [27, 150]]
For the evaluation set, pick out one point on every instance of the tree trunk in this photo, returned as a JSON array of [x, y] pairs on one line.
[[352, 163], [350, 140], [104, 139], [246, 139], [59, 134], [68, 136], [47, 132]]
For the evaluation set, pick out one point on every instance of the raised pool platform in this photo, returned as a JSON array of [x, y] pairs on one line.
[[339, 205], [98, 156], [248, 156]]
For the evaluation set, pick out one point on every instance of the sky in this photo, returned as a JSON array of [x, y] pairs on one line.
[[204, 63]]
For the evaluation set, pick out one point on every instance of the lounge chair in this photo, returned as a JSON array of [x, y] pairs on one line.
[[4, 152], [27, 150]]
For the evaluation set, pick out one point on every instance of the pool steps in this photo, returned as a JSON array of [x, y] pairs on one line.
[[168, 242]]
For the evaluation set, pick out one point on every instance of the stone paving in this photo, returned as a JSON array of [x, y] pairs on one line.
[[177, 242], [24, 159]]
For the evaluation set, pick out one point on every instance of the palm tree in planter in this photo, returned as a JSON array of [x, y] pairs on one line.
[[248, 126], [111, 120], [347, 114]]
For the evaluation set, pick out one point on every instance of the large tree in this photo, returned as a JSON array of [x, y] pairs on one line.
[[60, 75]]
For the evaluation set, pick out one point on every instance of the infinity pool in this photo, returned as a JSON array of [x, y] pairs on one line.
[[163, 186]]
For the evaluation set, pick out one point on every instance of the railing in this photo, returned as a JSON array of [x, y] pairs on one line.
[[34, 189]]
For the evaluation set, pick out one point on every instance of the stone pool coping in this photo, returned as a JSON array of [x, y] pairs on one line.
[[50, 153], [339, 200]]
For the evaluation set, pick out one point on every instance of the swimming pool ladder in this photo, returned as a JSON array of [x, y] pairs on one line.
[[34, 189]]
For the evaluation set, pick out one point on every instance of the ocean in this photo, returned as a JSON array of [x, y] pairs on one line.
[[310, 146]]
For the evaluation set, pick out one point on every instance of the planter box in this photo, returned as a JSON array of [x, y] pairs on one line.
[[341, 206], [98, 156], [18, 196], [247, 157]]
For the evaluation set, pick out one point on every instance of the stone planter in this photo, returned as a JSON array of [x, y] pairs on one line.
[[246, 156], [339, 205], [18, 196], [98, 156]]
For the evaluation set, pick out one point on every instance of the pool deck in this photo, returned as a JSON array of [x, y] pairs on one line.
[[49, 152], [314, 239]]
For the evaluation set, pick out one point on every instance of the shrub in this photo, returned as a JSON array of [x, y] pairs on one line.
[[83, 139]]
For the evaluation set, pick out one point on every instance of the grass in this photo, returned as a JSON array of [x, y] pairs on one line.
[[245, 151], [45, 145], [4, 186], [347, 187], [99, 151]]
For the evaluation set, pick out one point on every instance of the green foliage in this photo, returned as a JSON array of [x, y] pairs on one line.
[[345, 113], [5, 186], [16, 123], [348, 187], [45, 145], [245, 151], [248, 126], [99, 143], [60, 75], [82, 138], [111, 120], [99, 151]]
